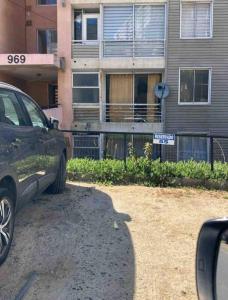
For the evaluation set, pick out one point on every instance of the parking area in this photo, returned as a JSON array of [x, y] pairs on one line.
[[107, 243]]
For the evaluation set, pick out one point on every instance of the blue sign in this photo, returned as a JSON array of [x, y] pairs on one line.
[[164, 139]]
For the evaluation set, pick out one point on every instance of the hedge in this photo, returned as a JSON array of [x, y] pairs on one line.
[[147, 172]]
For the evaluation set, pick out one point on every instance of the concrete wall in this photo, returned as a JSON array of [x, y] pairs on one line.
[[42, 17], [12, 29]]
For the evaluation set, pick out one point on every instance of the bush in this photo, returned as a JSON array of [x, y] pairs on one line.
[[144, 171]]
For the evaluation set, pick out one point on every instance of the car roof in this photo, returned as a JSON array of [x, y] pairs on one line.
[[10, 87]]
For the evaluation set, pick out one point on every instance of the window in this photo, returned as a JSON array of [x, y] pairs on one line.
[[36, 116], [47, 2], [196, 20], [134, 30], [195, 86], [86, 88], [195, 148], [85, 26], [10, 110], [87, 146], [47, 41], [130, 98], [53, 95]]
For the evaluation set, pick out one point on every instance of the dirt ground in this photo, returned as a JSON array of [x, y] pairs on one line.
[[108, 243]]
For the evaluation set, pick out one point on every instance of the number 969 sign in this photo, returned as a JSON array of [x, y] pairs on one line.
[[16, 59]]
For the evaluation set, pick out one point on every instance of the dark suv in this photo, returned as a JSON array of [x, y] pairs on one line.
[[32, 157]]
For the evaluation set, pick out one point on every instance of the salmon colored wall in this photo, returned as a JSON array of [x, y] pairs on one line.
[[38, 90], [21, 84], [12, 29], [65, 77], [42, 17]]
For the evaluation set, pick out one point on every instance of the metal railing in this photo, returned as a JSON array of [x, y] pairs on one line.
[[144, 113], [118, 145], [138, 48], [118, 48], [85, 49]]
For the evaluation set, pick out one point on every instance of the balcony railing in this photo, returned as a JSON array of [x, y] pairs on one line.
[[128, 48], [85, 49], [143, 113]]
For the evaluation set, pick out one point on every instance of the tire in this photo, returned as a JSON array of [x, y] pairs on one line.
[[7, 218], [58, 186]]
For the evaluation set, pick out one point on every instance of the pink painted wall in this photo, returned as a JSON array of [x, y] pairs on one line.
[[65, 77], [12, 29], [42, 17]]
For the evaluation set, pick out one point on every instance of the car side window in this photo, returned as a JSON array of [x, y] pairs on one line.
[[35, 115], [10, 109]]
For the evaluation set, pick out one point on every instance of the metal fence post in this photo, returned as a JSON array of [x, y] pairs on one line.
[[212, 153], [125, 151]]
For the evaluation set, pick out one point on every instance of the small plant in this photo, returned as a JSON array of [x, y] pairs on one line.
[[131, 151], [148, 150], [145, 171]]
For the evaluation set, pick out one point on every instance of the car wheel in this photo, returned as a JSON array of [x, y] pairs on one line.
[[59, 184], [6, 223]]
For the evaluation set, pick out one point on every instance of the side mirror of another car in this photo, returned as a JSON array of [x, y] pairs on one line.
[[212, 260], [54, 123]]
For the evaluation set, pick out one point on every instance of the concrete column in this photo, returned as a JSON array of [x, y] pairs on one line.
[[64, 25]]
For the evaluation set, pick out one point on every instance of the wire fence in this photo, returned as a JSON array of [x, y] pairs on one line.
[[121, 145]]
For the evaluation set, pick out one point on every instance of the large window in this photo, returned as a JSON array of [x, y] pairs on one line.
[[130, 98], [195, 86], [46, 2], [134, 30], [47, 41], [195, 148], [196, 20], [85, 88]]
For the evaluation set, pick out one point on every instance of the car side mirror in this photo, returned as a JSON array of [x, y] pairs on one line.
[[212, 260], [54, 123]]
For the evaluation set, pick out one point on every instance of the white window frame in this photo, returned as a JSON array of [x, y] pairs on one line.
[[209, 85], [84, 27], [81, 104], [201, 135], [211, 2]]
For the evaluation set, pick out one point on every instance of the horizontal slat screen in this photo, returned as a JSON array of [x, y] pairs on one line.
[[118, 22], [149, 22]]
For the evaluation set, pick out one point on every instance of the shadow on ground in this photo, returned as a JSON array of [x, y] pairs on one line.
[[67, 247]]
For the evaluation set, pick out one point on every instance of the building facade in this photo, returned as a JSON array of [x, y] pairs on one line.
[[94, 65]]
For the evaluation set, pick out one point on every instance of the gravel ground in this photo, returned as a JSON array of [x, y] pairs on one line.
[[100, 242]]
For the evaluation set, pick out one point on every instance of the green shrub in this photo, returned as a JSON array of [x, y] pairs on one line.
[[144, 171]]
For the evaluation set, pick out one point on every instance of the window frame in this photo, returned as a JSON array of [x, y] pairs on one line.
[[87, 104], [209, 69], [25, 115], [19, 95], [85, 17], [201, 135], [211, 2], [37, 38], [38, 4]]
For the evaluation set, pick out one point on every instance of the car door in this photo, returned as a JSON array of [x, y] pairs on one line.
[[47, 144], [18, 144]]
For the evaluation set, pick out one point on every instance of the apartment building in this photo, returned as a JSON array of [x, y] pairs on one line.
[[110, 55]]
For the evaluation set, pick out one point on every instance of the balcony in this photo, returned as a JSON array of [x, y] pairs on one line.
[[140, 48], [85, 49], [138, 113]]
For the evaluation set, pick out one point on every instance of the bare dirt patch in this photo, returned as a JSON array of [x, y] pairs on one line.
[[109, 242]]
